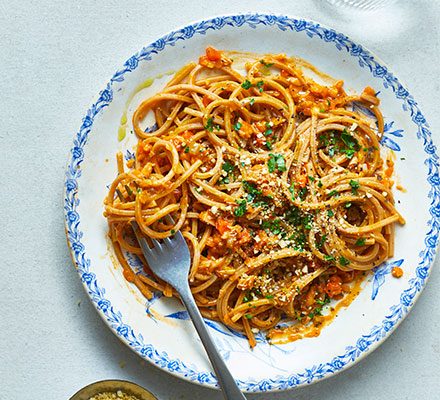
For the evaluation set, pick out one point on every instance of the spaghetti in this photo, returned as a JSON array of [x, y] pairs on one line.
[[277, 185]]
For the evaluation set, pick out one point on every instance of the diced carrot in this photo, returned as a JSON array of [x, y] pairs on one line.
[[301, 180], [397, 272], [370, 91], [334, 286], [261, 126], [244, 237], [222, 225], [213, 54], [206, 100], [245, 128], [187, 135]]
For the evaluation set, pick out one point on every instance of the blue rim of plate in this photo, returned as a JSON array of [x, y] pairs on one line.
[[363, 345]]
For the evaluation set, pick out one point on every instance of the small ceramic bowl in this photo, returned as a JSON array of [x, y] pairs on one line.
[[113, 386]]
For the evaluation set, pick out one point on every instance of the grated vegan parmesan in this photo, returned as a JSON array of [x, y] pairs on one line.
[[119, 395]]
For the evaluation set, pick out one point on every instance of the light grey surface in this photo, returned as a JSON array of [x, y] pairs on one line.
[[54, 59]]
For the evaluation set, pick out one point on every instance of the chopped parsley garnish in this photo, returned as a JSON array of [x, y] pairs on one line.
[[350, 141], [302, 193], [321, 241], [343, 261], [172, 231], [268, 132], [307, 222], [228, 167], [276, 162], [272, 226], [269, 296], [250, 188], [268, 145], [320, 185], [265, 63], [354, 186], [294, 216], [347, 205], [260, 85], [186, 149], [330, 213], [209, 125], [339, 142], [329, 258], [311, 178], [246, 84], [241, 209], [360, 242], [292, 190], [248, 316], [237, 126], [323, 302], [333, 193], [252, 101]]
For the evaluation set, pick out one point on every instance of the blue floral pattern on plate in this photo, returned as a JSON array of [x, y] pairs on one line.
[[367, 341], [379, 274]]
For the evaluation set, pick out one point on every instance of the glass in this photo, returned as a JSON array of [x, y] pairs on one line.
[[362, 4]]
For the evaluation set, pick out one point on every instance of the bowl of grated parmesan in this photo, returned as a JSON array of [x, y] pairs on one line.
[[113, 390]]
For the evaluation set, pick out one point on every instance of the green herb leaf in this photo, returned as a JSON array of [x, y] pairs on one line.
[[302, 193], [228, 167], [347, 205], [265, 63], [329, 258], [241, 209], [268, 145], [276, 162], [246, 84], [343, 261], [252, 101], [268, 132], [248, 316], [323, 302], [271, 164], [330, 213], [333, 193], [354, 186], [186, 149], [360, 242], [321, 241], [260, 85], [249, 187], [209, 125], [350, 141], [237, 126]]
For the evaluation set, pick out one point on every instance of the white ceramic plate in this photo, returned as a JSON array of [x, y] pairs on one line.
[[159, 330]]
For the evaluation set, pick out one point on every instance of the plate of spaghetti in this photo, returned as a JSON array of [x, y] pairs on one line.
[[302, 175]]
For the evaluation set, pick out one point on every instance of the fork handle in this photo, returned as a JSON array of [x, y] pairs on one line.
[[226, 381]]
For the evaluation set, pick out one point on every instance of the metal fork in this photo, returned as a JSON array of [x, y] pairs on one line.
[[170, 261]]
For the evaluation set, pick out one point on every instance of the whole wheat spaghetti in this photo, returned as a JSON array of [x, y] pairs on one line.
[[277, 185]]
